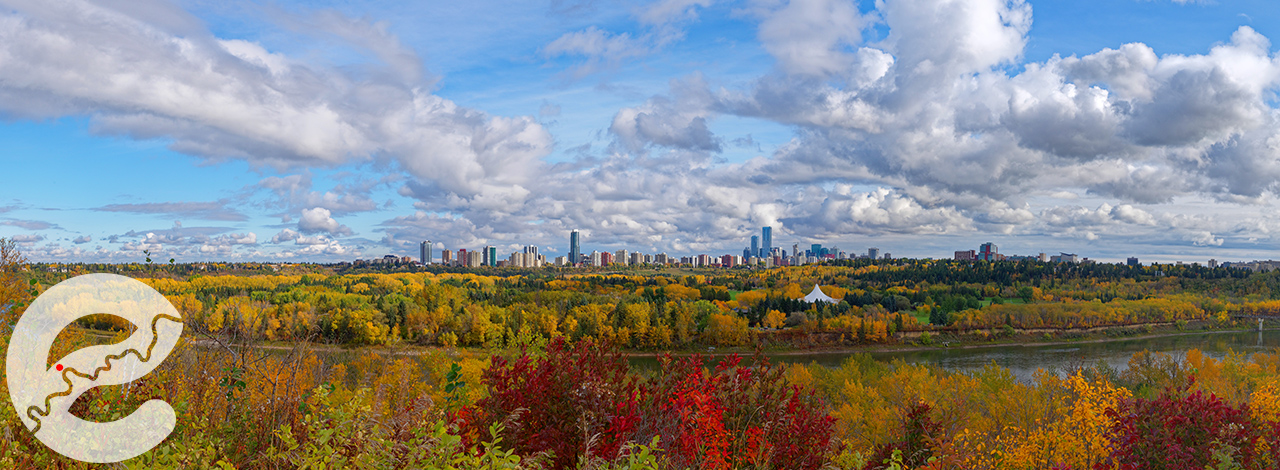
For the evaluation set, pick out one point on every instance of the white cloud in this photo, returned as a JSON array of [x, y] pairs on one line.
[[319, 219]]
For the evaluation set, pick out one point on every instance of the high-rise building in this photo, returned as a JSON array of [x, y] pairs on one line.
[[575, 248], [815, 250], [988, 251], [491, 253], [621, 257], [873, 253], [595, 258], [755, 246], [425, 252], [966, 255], [446, 257], [1133, 261], [475, 259], [766, 240], [606, 258], [1213, 263]]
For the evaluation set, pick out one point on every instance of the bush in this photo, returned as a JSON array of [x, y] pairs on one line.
[[579, 404]]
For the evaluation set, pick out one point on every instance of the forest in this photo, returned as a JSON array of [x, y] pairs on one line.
[[311, 368]]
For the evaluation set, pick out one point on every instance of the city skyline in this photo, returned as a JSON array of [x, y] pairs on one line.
[[302, 131]]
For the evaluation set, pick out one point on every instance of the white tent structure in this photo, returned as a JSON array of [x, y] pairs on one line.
[[818, 296]]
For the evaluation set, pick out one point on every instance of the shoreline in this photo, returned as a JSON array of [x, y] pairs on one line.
[[413, 350]]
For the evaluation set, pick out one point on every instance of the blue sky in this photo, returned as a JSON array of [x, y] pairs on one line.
[[336, 130]]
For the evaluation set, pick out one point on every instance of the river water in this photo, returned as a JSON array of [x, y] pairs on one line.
[[1023, 361]]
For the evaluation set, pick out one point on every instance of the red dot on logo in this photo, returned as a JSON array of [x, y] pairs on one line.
[[59, 367]]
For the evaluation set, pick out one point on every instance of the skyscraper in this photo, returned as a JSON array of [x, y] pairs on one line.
[[575, 248], [755, 246], [425, 250], [491, 253], [873, 253], [766, 240]]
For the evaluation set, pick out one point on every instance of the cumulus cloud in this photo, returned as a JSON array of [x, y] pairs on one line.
[[663, 24], [26, 239], [233, 100], [80, 240], [319, 220], [811, 37], [938, 127]]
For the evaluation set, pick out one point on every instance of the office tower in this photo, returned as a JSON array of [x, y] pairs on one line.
[[766, 239], [815, 250], [873, 253], [987, 251], [491, 253], [746, 253], [575, 248], [484, 256], [755, 246], [425, 251], [446, 257], [1133, 261]]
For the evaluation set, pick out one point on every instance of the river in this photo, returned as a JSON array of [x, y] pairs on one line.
[[1024, 360]]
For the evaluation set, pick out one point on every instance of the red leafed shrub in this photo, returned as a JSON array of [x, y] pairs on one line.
[[735, 416], [732, 416], [1182, 431], [559, 403]]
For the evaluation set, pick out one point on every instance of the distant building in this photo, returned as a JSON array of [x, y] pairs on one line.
[[575, 248], [1133, 261], [1044, 258], [969, 255], [766, 240], [988, 251], [728, 261], [562, 260], [1065, 258], [873, 253], [475, 259], [606, 258], [637, 258], [1213, 263], [446, 257], [491, 254], [621, 257], [425, 252], [755, 247], [888, 256]]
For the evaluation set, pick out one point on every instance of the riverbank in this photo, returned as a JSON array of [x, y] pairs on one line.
[[941, 344]]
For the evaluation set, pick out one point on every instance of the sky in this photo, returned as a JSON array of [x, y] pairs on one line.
[[335, 130]]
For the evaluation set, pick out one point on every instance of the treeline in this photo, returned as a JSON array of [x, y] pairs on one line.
[[718, 308]]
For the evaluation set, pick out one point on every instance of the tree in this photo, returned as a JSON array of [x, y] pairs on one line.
[[14, 293]]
